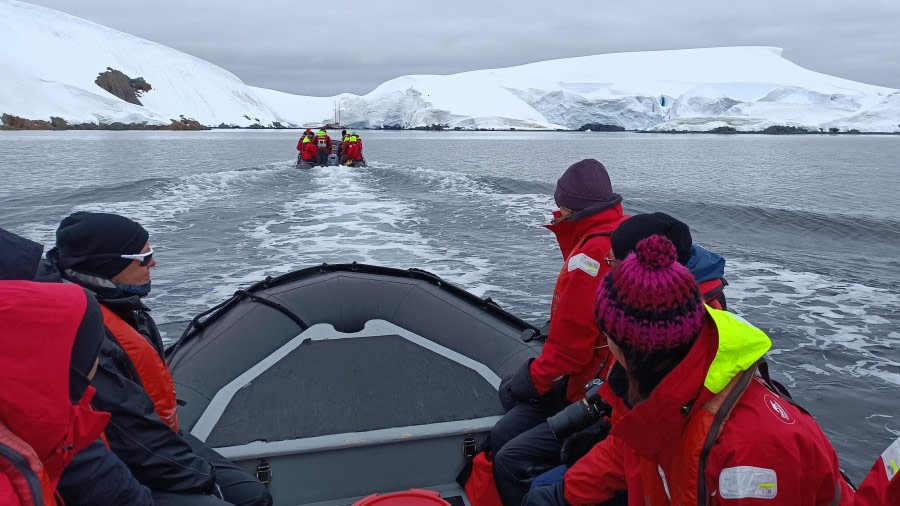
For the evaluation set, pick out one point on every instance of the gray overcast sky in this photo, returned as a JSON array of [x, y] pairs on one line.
[[316, 48]]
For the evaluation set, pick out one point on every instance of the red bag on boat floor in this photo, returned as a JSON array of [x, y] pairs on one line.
[[480, 487]]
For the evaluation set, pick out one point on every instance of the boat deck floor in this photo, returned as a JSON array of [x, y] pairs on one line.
[[354, 413]]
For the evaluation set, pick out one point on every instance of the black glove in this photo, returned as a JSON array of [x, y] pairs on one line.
[[578, 444], [518, 388]]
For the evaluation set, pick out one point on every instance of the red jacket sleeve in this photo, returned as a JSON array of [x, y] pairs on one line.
[[881, 486], [573, 332], [598, 475]]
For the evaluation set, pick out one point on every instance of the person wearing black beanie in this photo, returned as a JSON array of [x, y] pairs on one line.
[[92, 242], [110, 255], [708, 268]]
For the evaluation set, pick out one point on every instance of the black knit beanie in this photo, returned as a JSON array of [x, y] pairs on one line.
[[88, 242], [641, 226]]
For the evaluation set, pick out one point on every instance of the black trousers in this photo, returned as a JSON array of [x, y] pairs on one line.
[[236, 485], [552, 495], [524, 447], [322, 156]]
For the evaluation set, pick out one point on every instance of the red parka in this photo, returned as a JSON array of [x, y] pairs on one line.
[[574, 347], [766, 452], [353, 151], [38, 323], [882, 485], [309, 150]]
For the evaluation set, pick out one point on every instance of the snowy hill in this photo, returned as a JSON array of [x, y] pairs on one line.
[[744, 88], [747, 88], [60, 56]]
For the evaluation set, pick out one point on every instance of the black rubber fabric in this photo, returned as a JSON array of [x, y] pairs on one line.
[[353, 385]]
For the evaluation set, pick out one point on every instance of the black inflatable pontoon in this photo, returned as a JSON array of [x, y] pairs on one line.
[[348, 380]]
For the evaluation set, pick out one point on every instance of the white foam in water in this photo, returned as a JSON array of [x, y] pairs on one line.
[[337, 217], [161, 208], [342, 221], [829, 313]]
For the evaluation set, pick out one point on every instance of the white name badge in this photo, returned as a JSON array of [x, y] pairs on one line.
[[585, 263], [743, 482]]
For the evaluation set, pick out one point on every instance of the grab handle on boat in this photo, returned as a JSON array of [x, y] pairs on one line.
[[264, 472]]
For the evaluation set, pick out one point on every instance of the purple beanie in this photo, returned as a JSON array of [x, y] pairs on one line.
[[649, 301], [585, 185]]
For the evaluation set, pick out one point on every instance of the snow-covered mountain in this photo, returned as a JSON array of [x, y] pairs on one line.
[[745, 88], [57, 57]]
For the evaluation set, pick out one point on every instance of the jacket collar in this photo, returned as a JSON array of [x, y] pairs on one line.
[[569, 232], [106, 291], [726, 346]]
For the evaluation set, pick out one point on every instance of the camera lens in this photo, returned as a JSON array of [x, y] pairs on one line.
[[575, 417]]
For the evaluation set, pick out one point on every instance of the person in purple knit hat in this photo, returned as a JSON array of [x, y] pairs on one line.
[[574, 353], [699, 426]]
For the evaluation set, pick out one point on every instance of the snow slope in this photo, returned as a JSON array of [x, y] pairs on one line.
[[60, 56], [746, 88]]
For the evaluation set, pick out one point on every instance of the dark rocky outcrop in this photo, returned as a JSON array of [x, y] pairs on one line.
[[600, 127], [10, 122], [785, 130], [186, 124], [122, 86]]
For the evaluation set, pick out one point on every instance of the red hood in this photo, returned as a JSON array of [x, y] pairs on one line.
[[658, 422], [38, 323], [569, 233]]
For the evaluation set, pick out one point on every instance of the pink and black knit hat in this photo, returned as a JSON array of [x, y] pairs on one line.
[[649, 301]]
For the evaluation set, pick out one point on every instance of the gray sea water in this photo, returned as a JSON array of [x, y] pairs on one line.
[[810, 227]]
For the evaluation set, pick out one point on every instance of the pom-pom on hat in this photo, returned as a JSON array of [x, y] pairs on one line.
[[649, 301]]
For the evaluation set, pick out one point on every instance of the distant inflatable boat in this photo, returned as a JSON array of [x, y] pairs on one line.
[[340, 381], [332, 162], [334, 159]]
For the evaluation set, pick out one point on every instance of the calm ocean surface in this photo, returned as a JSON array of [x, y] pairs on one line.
[[810, 227]]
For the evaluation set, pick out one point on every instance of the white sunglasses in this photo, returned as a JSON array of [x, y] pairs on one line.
[[144, 258]]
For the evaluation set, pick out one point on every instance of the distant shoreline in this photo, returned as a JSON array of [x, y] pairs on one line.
[[15, 123]]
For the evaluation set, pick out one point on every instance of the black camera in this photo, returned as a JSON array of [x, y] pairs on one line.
[[582, 414]]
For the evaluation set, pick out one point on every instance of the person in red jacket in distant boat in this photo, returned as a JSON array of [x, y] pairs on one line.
[[574, 353], [323, 147]]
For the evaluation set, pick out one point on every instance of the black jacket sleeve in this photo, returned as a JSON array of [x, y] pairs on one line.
[[156, 455], [97, 476]]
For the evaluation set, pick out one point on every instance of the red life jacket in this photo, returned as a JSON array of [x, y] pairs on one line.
[[713, 293], [310, 151], [353, 151], [23, 479], [152, 370]]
